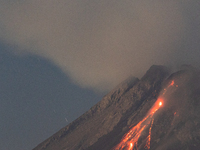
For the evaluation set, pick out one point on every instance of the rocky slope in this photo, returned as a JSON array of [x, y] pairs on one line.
[[176, 125]]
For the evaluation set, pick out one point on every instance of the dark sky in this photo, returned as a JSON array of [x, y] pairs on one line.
[[37, 99]]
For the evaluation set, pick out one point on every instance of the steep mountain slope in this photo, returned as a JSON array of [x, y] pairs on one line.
[[175, 126]]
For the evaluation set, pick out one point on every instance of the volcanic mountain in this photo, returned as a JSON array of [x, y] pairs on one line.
[[161, 111]]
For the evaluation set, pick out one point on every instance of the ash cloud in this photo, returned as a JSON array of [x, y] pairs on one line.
[[100, 43]]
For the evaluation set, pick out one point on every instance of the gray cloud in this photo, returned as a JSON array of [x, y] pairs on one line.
[[100, 43]]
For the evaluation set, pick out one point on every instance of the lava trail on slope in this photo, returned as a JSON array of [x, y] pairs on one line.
[[130, 140]]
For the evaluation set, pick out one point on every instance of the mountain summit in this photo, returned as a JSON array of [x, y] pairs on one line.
[[158, 112]]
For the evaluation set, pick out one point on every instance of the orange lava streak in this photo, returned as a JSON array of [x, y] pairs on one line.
[[172, 83], [130, 140], [131, 146], [149, 136]]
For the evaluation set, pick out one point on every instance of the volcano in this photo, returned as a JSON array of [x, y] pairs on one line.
[[161, 111]]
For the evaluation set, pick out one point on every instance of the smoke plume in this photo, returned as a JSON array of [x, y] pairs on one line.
[[100, 43]]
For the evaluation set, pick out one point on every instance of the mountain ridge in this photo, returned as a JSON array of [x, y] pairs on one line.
[[103, 126]]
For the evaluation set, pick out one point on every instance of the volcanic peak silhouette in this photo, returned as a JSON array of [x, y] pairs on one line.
[[176, 125]]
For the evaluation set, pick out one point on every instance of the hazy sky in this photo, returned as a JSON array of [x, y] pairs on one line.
[[96, 44], [99, 43]]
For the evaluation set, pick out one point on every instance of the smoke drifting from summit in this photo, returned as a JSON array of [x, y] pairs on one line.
[[100, 43]]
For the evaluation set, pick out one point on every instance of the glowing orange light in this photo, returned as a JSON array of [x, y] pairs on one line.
[[130, 139], [172, 83], [149, 136], [131, 146]]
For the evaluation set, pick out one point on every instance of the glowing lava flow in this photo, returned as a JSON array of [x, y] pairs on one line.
[[149, 136], [130, 140]]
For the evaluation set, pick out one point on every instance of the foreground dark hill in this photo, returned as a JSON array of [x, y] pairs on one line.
[[176, 125]]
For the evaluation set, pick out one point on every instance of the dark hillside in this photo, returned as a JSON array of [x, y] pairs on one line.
[[176, 125]]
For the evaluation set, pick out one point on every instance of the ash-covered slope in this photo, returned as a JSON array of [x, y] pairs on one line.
[[176, 125]]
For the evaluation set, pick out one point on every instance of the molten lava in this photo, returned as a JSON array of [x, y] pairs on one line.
[[130, 139], [172, 83], [149, 136]]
